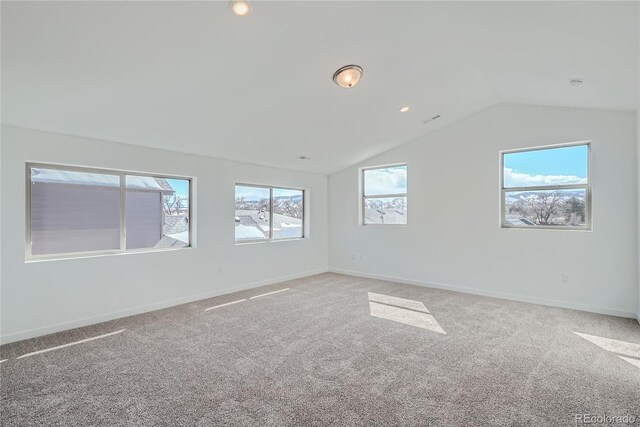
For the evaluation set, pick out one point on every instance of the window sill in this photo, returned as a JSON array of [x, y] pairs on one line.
[[548, 228], [259, 242], [46, 258], [384, 225]]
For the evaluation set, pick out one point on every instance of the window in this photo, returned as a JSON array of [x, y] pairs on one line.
[[547, 187], [75, 211], [157, 212], [264, 213], [384, 195]]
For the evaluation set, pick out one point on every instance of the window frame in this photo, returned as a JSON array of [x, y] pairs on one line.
[[363, 197], [587, 187], [271, 238], [122, 174]]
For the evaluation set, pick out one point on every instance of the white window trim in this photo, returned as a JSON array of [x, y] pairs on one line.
[[29, 257], [271, 238], [587, 187], [362, 197]]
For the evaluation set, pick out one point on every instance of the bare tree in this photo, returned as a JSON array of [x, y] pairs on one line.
[[544, 206], [574, 211], [398, 203], [252, 205], [288, 207], [173, 204], [241, 204], [518, 208], [263, 205]]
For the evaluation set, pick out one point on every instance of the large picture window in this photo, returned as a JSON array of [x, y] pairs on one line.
[[79, 211], [268, 213], [384, 195], [547, 187]]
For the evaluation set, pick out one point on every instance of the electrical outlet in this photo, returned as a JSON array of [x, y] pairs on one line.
[[220, 269], [353, 257], [565, 279]]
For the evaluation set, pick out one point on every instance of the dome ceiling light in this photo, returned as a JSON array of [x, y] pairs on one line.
[[348, 76], [240, 7]]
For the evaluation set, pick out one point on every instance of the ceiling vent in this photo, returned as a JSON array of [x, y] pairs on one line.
[[436, 117]]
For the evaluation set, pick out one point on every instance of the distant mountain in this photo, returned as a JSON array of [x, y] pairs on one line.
[[524, 195], [295, 199]]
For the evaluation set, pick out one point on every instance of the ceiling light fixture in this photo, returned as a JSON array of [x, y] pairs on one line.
[[348, 76], [240, 7], [404, 109], [304, 158], [576, 82]]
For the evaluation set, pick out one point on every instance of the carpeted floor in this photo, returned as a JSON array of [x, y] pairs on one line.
[[330, 350]]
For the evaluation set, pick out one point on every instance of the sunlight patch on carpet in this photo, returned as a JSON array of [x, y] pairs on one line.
[[627, 351], [70, 344], [405, 311]]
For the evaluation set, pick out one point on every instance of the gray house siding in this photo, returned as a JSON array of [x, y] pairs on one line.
[[143, 218], [74, 218], [80, 212]]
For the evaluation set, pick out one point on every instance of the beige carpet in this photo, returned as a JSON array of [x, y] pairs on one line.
[[330, 350]]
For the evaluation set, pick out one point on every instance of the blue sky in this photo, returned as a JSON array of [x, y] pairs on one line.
[[252, 193], [567, 165], [181, 186]]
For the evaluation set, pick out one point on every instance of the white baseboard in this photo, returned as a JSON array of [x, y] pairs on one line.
[[36, 332], [494, 294]]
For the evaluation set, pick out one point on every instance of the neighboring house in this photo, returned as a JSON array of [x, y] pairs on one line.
[[145, 218], [252, 224], [384, 216], [285, 227], [73, 211], [518, 221], [176, 227]]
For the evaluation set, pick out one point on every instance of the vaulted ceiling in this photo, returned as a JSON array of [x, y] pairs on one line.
[[193, 77]]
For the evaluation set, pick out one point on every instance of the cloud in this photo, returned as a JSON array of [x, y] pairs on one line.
[[386, 181], [515, 179]]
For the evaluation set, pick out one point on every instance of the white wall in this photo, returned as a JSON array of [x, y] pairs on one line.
[[638, 192], [638, 211], [43, 297], [454, 240]]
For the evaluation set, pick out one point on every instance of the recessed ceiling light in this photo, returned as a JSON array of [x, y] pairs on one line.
[[576, 82], [404, 109], [348, 76], [240, 7]]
